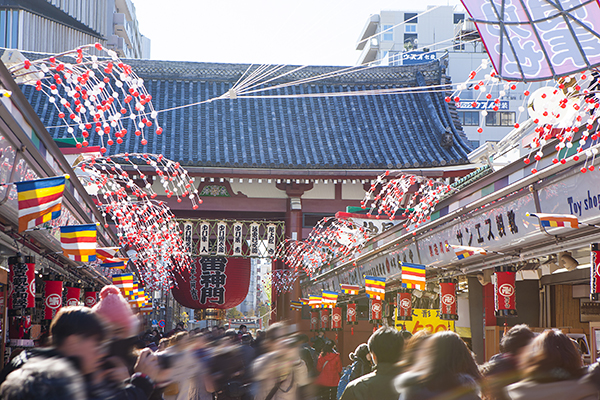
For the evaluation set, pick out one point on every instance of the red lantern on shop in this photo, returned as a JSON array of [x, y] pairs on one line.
[[595, 273], [404, 305], [448, 299], [325, 319], [314, 321], [90, 298], [72, 296], [375, 311], [213, 284], [21, 282], [336, 319], [351, 316], [504, 292], [52, 298]]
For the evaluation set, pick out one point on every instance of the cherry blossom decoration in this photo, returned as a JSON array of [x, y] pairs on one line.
[[331, 238], [414, 196], [93, 95], [123, 193]]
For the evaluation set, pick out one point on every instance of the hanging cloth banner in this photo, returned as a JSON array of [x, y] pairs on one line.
[[336, 319], [90, 298], [188, 237], [595, 273], [404, 305], [221, 238], [254, 239], [504, 292], [237, 239], [351, 314], [325, 319], [204, 239], [52, 298], [375, 311], [73, 295], [271, 239], [21, 283], [314, 321], [448, 299]]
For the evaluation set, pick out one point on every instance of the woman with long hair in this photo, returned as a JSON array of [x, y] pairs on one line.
[[444, 368], [329, 366]]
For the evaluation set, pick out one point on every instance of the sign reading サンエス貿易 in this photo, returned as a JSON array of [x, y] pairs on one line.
[[425, 319]]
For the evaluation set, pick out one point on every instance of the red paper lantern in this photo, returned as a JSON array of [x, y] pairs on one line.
[[314, 321], [213, 282], [73, 295], [351, 314], [595, 273], [90, 298], [52, 298], [375, 311], [325, 319], [21, 283], [504, 292], [448, 299], [336, 319], [404, 305]]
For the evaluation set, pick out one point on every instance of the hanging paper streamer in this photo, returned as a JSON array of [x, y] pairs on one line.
[[90, 298], [404, 305], [52, 298], [72, 295], [336, 319], [595, 273], [324, 319], [314, 321], [281, 280], [21, 283], [448, 299], [504, 291]]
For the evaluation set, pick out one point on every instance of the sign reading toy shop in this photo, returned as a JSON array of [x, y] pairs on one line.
[[425, 319]]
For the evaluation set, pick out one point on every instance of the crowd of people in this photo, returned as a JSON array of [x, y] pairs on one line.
[[98, 353]]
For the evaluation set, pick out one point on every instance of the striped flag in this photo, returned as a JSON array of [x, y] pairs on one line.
[[123, 281], [315, 301], [132, 290], [147, 307], [329, 298], [39, 201], [103, 253], [463, 252], [556, 220], [295, 305], [375, 287], [413, 276], [350, 289], [79, 242], [304, 301], [115, 263]]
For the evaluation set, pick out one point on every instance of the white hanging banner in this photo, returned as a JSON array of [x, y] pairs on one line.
[[188, 235], [254, 239], [271, 230], [203, 249], [237, 239], [221, 238]]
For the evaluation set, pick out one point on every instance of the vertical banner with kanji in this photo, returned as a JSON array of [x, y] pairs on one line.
[[254, 239], [204, 243], [325, 319], [90, 298], [188, 237], [314, 321], [271, 239], [52, 298], [404, 305], [504, 291], [351, 314], [72, 295], [237, 239], [375, 310], [595, 273], [221, 238], [336, 318], [448, 309], [21, 283]]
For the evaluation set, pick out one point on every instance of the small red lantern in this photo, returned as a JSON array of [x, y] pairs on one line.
[[90, 298], [52, 298], [448, 299], [314, 321], [595, 273], [404, 305], [21, 282], [325, 319], [504, 293]]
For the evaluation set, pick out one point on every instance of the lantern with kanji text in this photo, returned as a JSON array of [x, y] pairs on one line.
[[52, 298], [325, 319], [448, 310], [90, 297], [404, 305], [21, 282], [504, 291], [314, 321], [336, 319], [375, 311]]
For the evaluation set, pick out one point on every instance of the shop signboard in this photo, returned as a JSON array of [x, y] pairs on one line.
[[425, 319]]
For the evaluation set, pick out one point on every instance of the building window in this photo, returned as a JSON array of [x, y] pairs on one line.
[[459, 18], [410, 41], [500, 118], [411, 17], [410, 28], [459, 47], [388, 33], [473, 144], [9, 28], [468, 118]]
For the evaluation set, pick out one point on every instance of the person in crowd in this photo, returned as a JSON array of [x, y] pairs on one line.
[[259, 344], [503, 368], [156, 336], [231, 380], [362, 357], [242, 331], [247, 351], [552, 369], [385, 346], [318, 342], [309, 356], [179, 327], [329, 366], [412, 348], [203, 385], [445, 368]]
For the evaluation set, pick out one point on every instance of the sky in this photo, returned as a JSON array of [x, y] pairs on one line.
[[298, 32]]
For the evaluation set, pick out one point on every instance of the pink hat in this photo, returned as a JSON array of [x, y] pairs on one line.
[[115, 310]]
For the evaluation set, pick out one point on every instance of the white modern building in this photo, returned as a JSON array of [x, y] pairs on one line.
[[417, 36], [260, 268], [54, 26]]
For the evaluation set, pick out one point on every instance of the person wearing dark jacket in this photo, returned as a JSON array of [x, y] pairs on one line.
[[385, 347], [362, 357]]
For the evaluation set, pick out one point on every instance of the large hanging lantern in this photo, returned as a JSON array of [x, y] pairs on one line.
[[325, 319], [52, 298], [595, 273], [314, 321], [504, 292], [448, 309], [404, 305], [90, 298], [21, 282], [72, 295], [375, 311]]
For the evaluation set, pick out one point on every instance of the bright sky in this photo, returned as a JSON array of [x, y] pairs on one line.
[[313, 32]]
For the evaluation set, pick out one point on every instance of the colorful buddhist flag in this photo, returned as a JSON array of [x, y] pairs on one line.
[[350, 289], [132, 290], [413, 276], [556, 220], [463, 252], [115, 263], [147, 307], [103, 253], [39, 201], [123, 281], [315, 301], [304, 301], [79, 242], [329, 298], [375, 287], [295, 305]]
